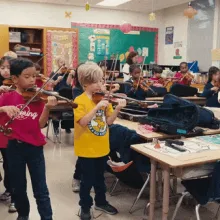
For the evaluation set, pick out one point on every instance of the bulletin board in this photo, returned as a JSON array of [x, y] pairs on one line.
[[61, 43], [99, 40]]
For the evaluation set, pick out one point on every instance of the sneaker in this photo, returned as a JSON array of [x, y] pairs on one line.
[[22, 218], [12, 208], [5, 196], [85, 215], [76, 185], [68, 131], [109, 209]]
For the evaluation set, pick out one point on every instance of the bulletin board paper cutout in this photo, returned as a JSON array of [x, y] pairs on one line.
[[119, 42], [64, 44]]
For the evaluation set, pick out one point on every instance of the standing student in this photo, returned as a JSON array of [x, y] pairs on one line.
[[91, 139], [25, 146], [131, 59], [7, 195], [211, 88], [182, 75]]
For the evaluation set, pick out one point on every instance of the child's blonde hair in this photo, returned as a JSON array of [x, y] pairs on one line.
[[89, 73]]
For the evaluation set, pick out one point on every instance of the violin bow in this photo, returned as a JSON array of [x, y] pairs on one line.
[[139, 79], [105, 60], [31, 99], [112, 77]]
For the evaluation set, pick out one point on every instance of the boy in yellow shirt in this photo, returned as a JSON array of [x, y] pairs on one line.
[[91, 139]]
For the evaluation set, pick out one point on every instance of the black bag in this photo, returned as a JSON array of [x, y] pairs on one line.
[[206, 117], [179, 116], [183, 90]]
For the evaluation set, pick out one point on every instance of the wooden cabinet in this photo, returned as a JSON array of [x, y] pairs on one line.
[[27, 42], [4, 39]]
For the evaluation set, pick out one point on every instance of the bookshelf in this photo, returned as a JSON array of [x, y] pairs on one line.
[[28, 42]]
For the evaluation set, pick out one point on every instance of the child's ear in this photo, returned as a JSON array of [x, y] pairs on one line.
[[14, 79]]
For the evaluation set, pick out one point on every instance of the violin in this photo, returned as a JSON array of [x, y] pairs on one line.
[[8, 82], [43, 95], [66, 70], [99, 96], [188, 76]]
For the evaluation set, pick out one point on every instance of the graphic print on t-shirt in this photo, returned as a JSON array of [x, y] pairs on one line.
[[26, 113], [98, 124]]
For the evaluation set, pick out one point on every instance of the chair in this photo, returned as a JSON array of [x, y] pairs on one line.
[[132, 177], [65, 120], [199, 189]]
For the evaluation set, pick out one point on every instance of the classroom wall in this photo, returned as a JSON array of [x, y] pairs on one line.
[[200, 34], [174, 17], [38, 14]]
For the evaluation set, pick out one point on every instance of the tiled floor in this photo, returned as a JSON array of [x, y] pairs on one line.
[[60, 163]]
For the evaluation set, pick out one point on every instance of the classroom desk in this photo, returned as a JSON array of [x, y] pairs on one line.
[[159, 135], [194, 99], [167, 163]]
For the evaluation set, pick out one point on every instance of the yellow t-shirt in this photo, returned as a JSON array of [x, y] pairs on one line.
[[91, 141]]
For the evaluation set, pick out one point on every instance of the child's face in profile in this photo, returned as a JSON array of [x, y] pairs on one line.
[[135, 59], [216, 76], [5, 70], [61, 62], [157, 75], [183, 68], [27, 79], [94, 87], [136, 74]]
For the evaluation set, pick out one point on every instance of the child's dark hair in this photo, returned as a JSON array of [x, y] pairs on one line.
[[157, 69], [183, 63], [5, 58], [212, 71], [130, 57], [133, 67], [18, 65]]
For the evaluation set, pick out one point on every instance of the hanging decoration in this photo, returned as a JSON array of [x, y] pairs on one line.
[[68, 14], [87, 6], [152, 15], [190, 12], [125, 27]]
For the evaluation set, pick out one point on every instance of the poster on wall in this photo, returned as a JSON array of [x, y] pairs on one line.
[[61, 44], [169, 35]]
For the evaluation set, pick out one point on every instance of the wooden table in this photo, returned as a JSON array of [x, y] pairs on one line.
[[167, 163], [159, 135], [194, 99]]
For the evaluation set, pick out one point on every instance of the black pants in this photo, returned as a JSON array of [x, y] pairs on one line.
[[77, 173], [21, 154], [92, 175], [6, 180]]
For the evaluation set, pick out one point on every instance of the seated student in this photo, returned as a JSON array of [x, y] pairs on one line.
[[136, 93], [184, 77], [91, 126], [157, 79], [211, 90]]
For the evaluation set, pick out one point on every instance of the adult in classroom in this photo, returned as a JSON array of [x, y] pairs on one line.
[[131, 59]]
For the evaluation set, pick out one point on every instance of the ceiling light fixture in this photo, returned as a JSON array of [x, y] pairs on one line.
[[190, 12], [112, 3], [152, 15]]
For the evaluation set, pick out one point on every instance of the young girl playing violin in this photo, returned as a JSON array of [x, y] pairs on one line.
[[135, 91], [7, 195], [184, 77], [212, 87], [4, 72], [157, 79], [25, 145]]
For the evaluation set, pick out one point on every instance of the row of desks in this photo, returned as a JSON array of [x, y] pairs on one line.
[[168, 163]]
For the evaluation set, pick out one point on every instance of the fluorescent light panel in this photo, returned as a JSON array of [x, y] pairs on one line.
[[112, 2]]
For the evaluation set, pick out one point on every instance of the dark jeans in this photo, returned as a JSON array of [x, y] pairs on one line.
[[21, 154], [77, 173], [92, 175], [6, 173]]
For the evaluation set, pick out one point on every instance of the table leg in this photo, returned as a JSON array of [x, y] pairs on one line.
[[175, 186], [160, 184], [166, 193], [152, 189]]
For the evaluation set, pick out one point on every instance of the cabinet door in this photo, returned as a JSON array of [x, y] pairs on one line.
[[4, 39]]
